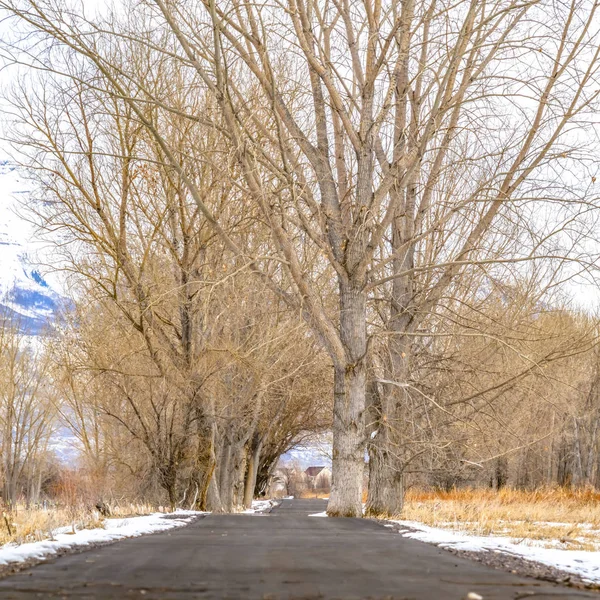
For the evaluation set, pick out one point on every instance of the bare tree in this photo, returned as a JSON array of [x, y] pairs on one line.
[[359, 133], [27, 412], [173, 340]]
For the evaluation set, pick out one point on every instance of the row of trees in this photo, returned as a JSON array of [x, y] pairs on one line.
[[243, 188], [93, 391], [199, 429], [28, 411], [135, 445]]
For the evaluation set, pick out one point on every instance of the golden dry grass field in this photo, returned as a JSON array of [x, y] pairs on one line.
[[557, 517]]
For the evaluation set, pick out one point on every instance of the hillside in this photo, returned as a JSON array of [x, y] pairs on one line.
[[25, 293]]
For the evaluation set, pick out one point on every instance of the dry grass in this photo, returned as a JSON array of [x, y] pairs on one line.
[[566, 518], [22, 524], [313, 494]]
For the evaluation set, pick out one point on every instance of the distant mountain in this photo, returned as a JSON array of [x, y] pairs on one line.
[[316, 452], [25, 294]]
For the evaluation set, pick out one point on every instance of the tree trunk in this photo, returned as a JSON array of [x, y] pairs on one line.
[[386, 462], [226, 492], [348, 460], [168, 476], [250, 483], [239, 472], [210, 500], [499, 477], [213, 497], [225, 480], [386, 484], [10, 489]]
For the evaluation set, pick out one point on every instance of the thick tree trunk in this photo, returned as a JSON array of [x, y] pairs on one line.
[[386, 462], [252, 471], [386, 459], [231, 476], [386, 485], [348, 461], [213, 493], [226, 492], [225, 479], [209, 498], [238, 475], [213, 496]]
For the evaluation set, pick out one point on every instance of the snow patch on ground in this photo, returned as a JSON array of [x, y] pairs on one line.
[[321, 514], [259, 506], [584, 564], [114, 529]]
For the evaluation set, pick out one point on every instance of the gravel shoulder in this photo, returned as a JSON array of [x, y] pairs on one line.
[[511, 563]]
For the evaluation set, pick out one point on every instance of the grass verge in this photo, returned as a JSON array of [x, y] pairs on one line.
[[22, 524], [553, 517]]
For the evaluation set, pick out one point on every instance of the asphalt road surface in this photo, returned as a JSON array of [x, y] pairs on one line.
[[282, 555]]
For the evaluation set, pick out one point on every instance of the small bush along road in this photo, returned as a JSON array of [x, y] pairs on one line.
[[282, 555]]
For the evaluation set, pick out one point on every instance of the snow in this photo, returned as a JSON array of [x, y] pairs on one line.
[[26, 287], [114, 529], [585, 564], [321, 514], [259, 506], [16, 234]]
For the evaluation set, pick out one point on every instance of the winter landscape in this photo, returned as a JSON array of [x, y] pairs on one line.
[[306, 289]]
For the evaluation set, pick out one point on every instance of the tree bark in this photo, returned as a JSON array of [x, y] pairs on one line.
[[250, 483], [386, 464], [209, 498], [225, 480], [348, 461], [213, 497], [386, 459], [386, 485], [238, 476]]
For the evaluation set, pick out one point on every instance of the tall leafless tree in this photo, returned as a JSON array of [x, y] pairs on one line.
[[357, 132]]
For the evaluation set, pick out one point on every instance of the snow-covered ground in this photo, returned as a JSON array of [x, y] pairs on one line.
[[259, 506], [585, 564], [114, 529]]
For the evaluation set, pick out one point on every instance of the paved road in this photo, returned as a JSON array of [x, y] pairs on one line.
[[282, 555]]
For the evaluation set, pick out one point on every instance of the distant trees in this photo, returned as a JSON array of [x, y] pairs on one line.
[[262, 387], [27, 413], [494, 410]]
